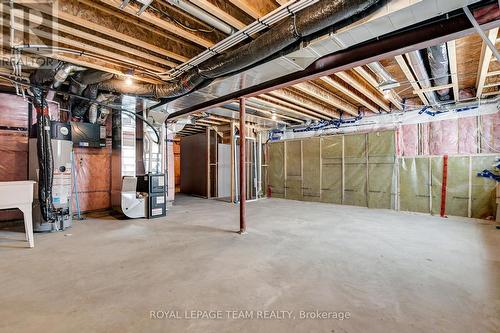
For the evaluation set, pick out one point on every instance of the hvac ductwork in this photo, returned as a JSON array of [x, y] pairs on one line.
[[418, 65], [440, 68], [320, 16], [385, 78]]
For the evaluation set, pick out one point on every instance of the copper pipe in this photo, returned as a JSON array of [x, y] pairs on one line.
[[243, 176]]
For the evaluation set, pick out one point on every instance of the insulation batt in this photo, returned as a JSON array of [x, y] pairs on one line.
[[319, 16], [444, 137], [409, 138]]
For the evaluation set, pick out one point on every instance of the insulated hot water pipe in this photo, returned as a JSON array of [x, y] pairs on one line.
[[243, 176]]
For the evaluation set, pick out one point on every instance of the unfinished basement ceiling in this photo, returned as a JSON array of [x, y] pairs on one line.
[[148, 39]]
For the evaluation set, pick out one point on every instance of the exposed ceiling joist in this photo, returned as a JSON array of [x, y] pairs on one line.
[[392, 97], [111, 32], [409, 76], [219, 13], [436, 88], [484, 63], [290, 96], [91, 37], [346, 91], [281, 108], [159, 22], [90, 48], [248, 7], [452, 57], [327, 97], [293, 106], [257, 107], [359, 86]]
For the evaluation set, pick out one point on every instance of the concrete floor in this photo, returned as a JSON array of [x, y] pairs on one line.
[[393, 272]]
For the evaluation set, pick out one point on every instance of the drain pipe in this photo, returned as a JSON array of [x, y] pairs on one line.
[[203, 16], [417, 63]]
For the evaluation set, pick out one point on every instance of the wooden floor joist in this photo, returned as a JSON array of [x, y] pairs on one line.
[[484, 63], [346, 91], [110, 32], [409, 76], [132, 9], [391, 97], [33, 18], [327, 97], [219, 13]]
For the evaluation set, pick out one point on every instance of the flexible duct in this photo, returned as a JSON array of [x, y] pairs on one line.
[[105, 111], [385, 78], [418, 65], [60, 76], [440, 68], [319, 16], [83, 105], [80, 85]]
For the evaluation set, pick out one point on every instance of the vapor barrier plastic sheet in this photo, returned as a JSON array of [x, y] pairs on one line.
[[331, 169], [276, 171], [355, 173], [293, 167], [311, 180], [414, 184], [382, 174], [482, 189]]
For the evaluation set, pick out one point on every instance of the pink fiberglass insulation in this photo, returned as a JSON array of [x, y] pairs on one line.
[[444, 137], [424, 139], [467, 143], [409, 140], [490, 130]]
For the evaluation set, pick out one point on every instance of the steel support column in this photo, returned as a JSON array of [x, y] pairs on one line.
[[243, 178]]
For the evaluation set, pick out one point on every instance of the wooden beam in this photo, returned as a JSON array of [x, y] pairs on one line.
[[327, 97], [452, 57], [392, 97], [280, 108], [492, 85], [159, 22], [484, 63], [289, 96], [248, 8], [346, 91], [110, 32], [256, 107], [293, 106], [430, 89], [493, 73], [219, 13], [81, 61], [91, 49], [359, 86], [409, 76], [92, 37]]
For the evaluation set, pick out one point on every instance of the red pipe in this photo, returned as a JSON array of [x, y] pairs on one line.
[[443, 185], [243, 178]]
